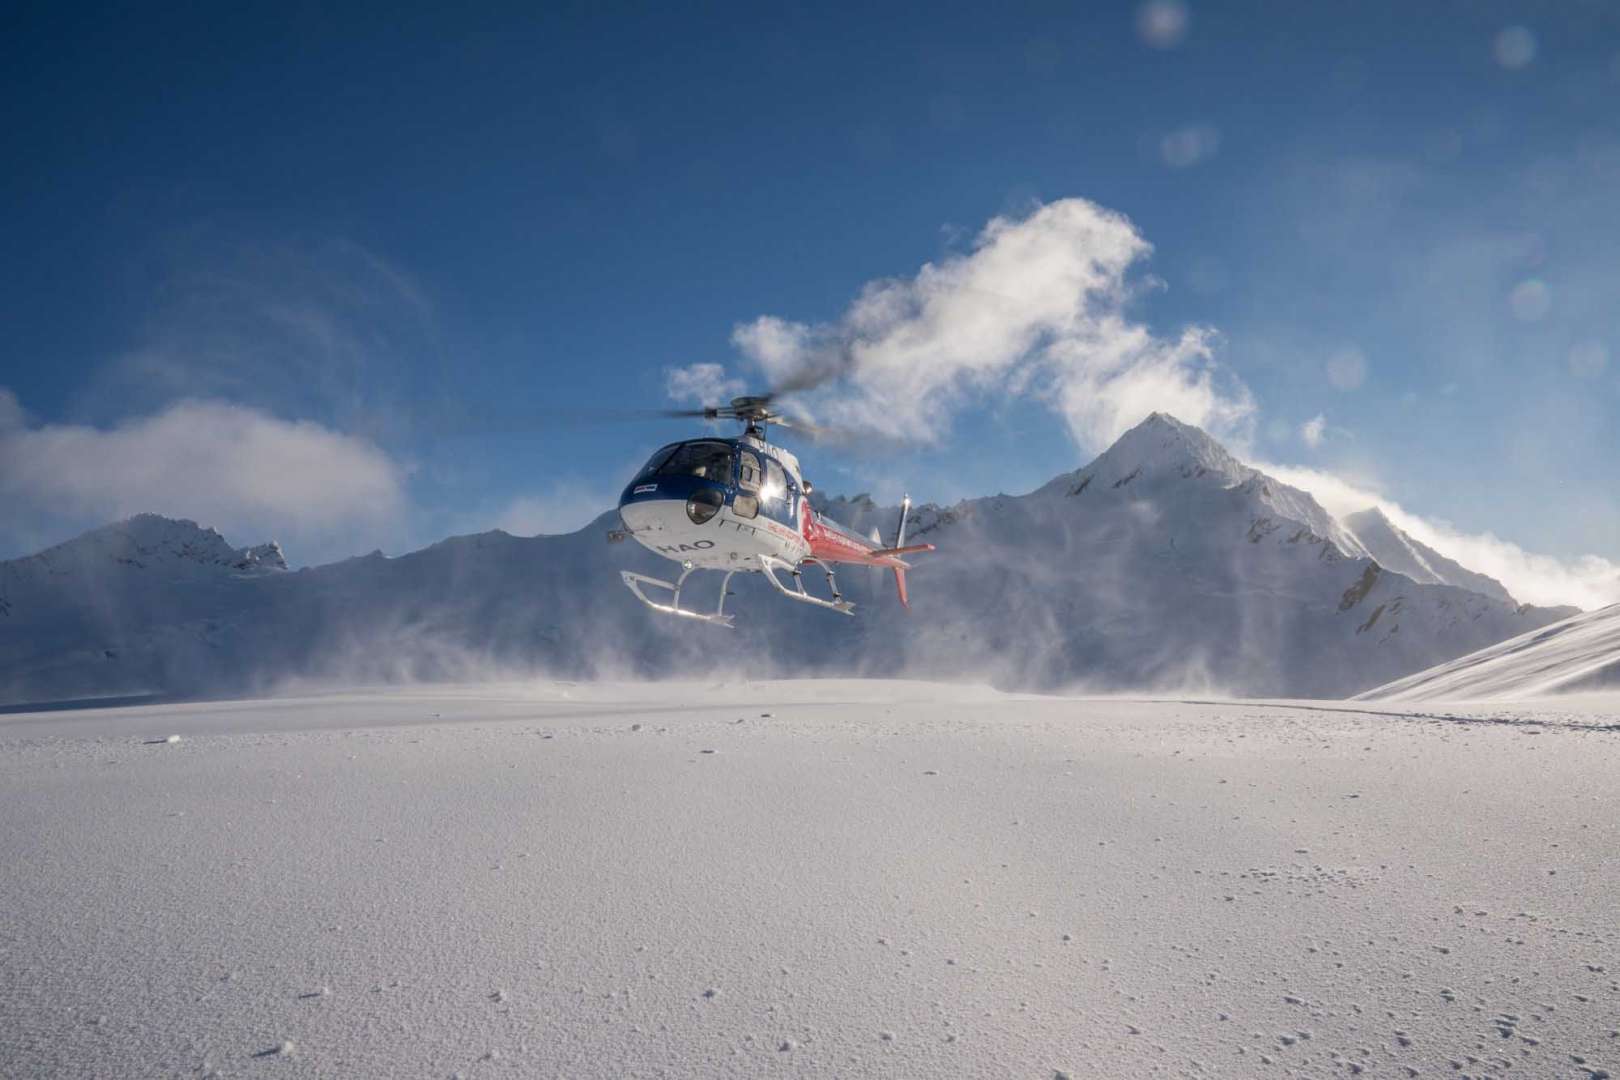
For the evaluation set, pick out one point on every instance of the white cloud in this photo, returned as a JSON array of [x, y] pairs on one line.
[[1587, 581], [1039, 305], [701, 384], [247, 473], [1313, 431]]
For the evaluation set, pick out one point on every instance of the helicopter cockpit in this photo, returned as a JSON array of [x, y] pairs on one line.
[[709, 459], [755, 480]]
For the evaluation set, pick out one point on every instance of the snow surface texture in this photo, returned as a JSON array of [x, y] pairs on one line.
[[808, 879], [1163, 563], [1580, 653]]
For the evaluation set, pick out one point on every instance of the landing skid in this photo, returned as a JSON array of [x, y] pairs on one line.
[[634, 582], [770, 566]]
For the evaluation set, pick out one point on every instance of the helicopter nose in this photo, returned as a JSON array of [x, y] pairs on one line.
[[652, 516], [672, 510]]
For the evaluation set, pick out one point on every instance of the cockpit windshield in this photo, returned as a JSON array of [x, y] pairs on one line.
[[710, 460]]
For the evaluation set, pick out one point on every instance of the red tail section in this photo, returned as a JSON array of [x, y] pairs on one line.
[[900, 586]]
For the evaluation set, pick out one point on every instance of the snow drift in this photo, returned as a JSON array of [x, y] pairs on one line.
[[1579, 653]]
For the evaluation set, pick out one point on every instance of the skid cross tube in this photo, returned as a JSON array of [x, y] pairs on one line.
[[770, 565], [634, 583]]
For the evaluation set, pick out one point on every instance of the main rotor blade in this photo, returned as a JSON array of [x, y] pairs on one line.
[[821, 432], [543, 419]]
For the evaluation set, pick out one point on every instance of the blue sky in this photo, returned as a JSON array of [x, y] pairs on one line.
[[389, 245]]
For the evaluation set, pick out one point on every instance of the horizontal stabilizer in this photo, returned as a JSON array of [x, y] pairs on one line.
[[907, 550]]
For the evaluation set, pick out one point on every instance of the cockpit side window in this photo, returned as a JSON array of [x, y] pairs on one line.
[[710, 460], [749, 478], [748, 474]]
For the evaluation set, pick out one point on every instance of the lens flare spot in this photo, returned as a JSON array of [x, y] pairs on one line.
[[1347, 369], [1189, 145], [1588, 359], [1530, 300], [1514, 48], [1163, 23]]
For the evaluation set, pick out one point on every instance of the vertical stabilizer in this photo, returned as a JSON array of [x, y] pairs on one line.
[[900, 542]]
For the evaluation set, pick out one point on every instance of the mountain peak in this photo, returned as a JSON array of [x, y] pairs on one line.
[[1161, 444], [1163, 450], [152, 540]]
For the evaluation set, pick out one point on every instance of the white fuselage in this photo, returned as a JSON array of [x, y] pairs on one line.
[[724, 542]]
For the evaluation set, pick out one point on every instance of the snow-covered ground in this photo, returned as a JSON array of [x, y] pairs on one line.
[[833, 878]]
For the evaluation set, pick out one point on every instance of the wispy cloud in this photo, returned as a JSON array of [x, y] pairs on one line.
[[243, 471], [316, 327], [1039, 306], [1313, 431]]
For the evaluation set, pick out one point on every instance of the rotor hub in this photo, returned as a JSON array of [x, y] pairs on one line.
[[753, 409]]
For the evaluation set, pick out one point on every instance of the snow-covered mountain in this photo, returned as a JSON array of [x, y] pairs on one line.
[[149, 584], [1397, 551], [1168, 562], [1579, 653], [1164, 562]]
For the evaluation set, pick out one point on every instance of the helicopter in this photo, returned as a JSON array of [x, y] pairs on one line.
[[741, 505]]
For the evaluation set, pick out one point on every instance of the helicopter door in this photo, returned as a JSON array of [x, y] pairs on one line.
[[749, 478]]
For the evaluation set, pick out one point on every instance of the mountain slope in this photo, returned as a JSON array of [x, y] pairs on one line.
[[1395, 550], [1165, 562], [1579, 653]]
